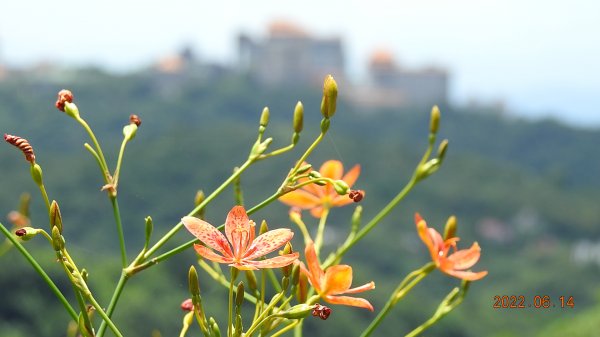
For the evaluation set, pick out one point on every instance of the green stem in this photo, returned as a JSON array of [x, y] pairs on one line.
[[369, 226], [208, 199], [119, 161], [102, 162], [45, 196], [308, 151], [321, 230], [40, 271], [104, 316], [403, 288], [277, 152], [230, 308], [113, 301], [117, 215], [286, 328]]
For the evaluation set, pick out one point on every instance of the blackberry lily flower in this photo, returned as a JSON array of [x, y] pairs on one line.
[[455, 264], [238, 247]]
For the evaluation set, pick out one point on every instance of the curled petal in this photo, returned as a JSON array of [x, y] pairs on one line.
[[268, 242], [276, 262], [208, 254], [364, 287], [338, 279], [465, 258], [466, 275], [208, 234], [351, 301]]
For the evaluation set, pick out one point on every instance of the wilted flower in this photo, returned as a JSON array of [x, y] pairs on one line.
[[238, 247], [23, 145], [334, 281], [316, 198], [452, 264], [63, 97]]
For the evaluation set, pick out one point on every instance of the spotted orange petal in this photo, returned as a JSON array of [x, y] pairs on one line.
[[237, 219], [268, 242], [465, 258], [208, 234], [208, 254], [276, 262]]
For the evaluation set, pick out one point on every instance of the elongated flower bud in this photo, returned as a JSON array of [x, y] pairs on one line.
[[216, 332], [149, 226], [329, 101], [55, 216], [263, 227], [251, 279], [193, 282], [442, 150], [36, 174], [298, 117], [264, 117], [27, 233], [298, 311], [58, 242], [23, 145], [239, 295], [450, 228], [434, 122]]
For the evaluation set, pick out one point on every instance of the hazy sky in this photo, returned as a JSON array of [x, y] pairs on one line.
[[540, 57]]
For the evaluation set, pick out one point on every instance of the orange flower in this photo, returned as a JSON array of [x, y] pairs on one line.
[[452, 264], [239, 234], [334, 281], [315, 197]]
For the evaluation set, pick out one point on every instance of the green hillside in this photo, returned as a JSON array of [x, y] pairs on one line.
[[527, 191]]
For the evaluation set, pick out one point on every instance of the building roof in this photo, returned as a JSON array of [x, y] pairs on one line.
[[283, 28]]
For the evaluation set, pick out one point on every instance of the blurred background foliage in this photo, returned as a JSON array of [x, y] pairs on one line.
[[527, 191]]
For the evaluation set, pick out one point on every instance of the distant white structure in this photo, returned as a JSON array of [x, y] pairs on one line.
[[390, 85], [290, 56]]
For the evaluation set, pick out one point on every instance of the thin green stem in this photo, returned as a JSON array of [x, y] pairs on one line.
[[117, 215], [40, 271], [104, 316], [95, 155], [113, 301], [208, 199], [286, 328], [230, 308], [403, 288], [277, 152], [45, 196], [102, 162], [369, 226], [308, 151], [321, 230], [119, 162]]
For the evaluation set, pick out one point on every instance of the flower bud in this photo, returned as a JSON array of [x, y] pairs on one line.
[[304, 168], [58, 242], [36, 174], [216, 332], [251, 279], [442, 150], [264, 117], [341, 187], [298, 123], [287, 270], [329, 101], [198, 199], [302, 292], [149, 226], [298, 311], [263, 227], [188, 319], [450, 228], [239, 294], [434, 122], [27, 233], [55, 216], [295, 274], [129, 131], [194, 286], [71, 110], [356, 218]]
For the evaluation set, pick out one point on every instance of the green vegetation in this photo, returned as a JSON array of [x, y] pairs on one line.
[[526, 191]]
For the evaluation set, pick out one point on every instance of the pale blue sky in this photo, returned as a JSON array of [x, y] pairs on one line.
[[540, 57]]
